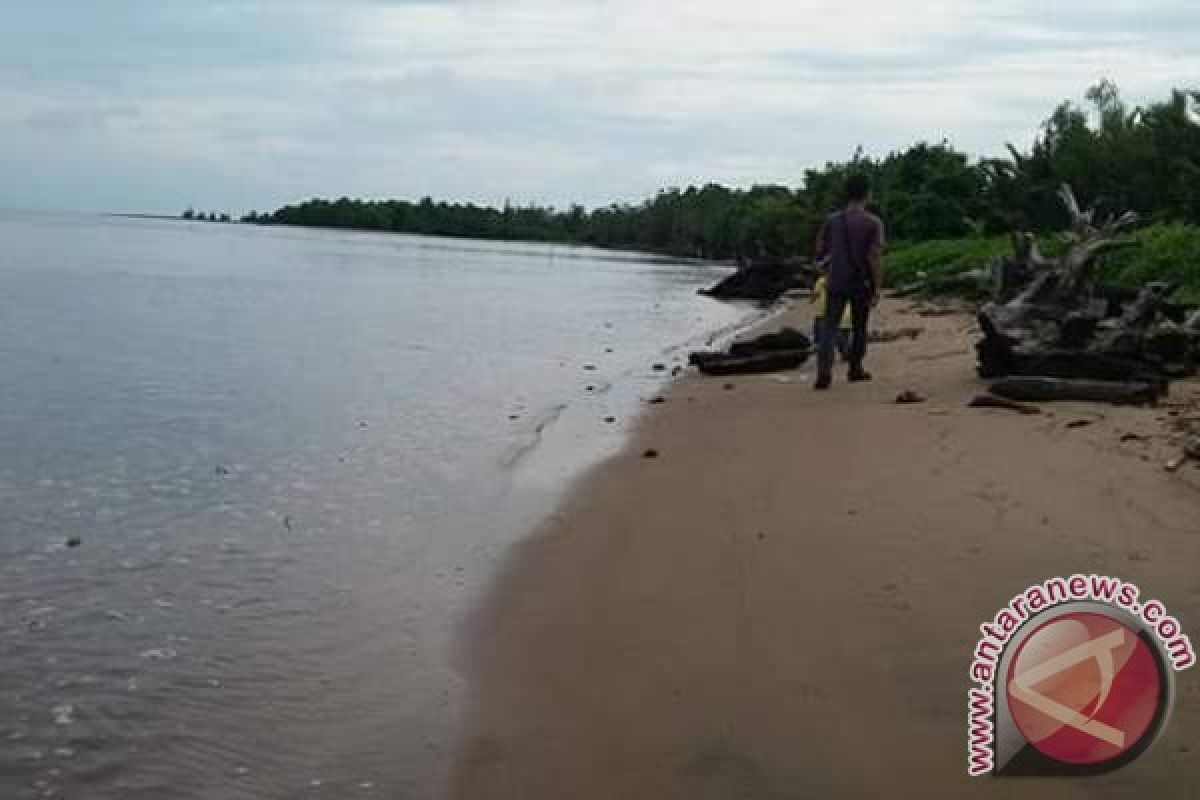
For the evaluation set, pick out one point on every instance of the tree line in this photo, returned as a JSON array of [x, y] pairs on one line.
[[1116, 157], [200, 216]]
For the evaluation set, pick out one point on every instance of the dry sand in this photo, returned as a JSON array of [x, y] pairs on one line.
[[784, 603]]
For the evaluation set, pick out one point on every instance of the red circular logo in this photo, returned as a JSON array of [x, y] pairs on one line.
[[1084, 688]]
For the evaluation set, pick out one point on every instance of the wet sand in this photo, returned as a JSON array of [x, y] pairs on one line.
[[783, 604]]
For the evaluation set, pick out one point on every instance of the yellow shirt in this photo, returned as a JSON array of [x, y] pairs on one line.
[[819, 304]]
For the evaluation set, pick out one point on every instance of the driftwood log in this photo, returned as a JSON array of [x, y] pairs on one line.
[[1049, 319], [771, 352]]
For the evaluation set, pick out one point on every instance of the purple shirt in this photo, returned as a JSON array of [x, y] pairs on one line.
[[848, 237]]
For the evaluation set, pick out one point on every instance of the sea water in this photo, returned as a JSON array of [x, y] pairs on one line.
[[252, 478]]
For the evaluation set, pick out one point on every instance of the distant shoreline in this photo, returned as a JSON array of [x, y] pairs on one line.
[[172, 217]]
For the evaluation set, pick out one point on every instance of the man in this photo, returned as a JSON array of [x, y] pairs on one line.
[[852, 242]]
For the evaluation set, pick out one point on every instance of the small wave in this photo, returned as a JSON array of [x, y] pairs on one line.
[[159, 653], [513, 458]]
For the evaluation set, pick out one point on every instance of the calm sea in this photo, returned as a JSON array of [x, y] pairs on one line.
[[290, 460]]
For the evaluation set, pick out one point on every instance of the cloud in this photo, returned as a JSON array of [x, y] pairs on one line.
[[255, 104]]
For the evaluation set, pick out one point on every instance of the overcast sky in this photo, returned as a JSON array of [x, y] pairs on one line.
[[154, 105]]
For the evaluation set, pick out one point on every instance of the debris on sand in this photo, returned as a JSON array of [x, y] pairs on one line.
[[939, 356], [991, 401], [651, 453], [909, 397]]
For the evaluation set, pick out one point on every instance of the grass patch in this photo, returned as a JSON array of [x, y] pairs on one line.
[[911, 262]]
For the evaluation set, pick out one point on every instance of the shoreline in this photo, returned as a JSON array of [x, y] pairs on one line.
[[784, 603]]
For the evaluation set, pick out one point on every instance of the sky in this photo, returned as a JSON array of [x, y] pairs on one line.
[[157, 105]]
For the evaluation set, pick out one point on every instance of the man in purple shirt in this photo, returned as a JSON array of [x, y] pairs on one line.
[[851, 244]]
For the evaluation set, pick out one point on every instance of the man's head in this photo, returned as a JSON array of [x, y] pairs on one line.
[[858, 188]]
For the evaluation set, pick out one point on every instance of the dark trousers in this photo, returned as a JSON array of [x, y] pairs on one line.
[[843, 337], [860, 312]]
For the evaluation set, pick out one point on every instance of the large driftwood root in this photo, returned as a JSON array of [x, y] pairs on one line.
[[1050, 319]]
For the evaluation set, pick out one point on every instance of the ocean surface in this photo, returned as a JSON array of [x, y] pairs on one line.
[[252, 480]]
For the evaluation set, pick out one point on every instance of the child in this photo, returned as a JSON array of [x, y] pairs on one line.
[[843, 334]]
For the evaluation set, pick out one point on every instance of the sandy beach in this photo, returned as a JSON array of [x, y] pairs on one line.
[[784, 602]]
